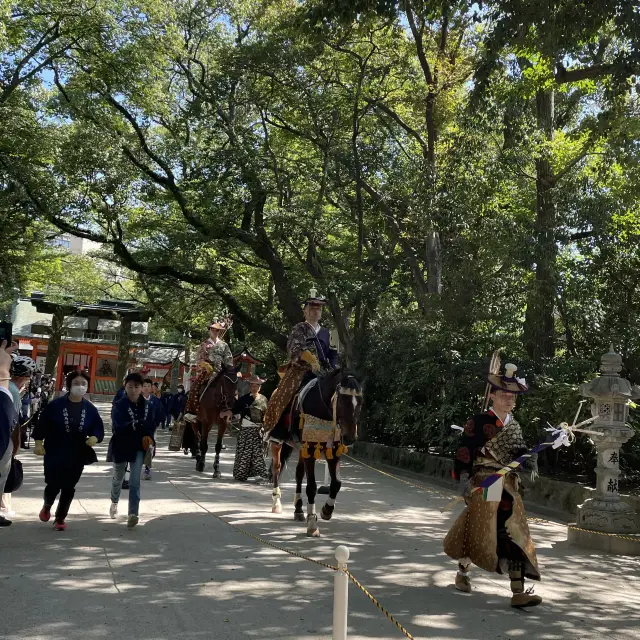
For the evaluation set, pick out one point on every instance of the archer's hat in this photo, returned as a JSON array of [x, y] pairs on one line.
[[254, 379], [508, 382], [222, 324], [314, 298]]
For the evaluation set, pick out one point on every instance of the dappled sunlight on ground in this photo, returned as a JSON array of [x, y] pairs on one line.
[[184, 572]]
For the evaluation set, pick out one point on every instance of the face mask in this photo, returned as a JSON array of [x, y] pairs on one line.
[[79, 390]]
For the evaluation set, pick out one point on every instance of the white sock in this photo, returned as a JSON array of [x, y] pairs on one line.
[[331, 502], [311, 509]]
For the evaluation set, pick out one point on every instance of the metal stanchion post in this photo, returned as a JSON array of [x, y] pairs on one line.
[[340, 595]]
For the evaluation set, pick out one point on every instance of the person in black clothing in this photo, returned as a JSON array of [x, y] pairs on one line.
[[65, 435]]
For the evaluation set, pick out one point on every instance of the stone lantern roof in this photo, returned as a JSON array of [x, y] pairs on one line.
[[609, 384]]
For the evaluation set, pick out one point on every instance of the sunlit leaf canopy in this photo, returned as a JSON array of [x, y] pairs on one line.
[[454, 176]]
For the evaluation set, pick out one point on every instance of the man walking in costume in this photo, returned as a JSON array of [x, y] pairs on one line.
[[493, 533], [213, 355], [310, 354]]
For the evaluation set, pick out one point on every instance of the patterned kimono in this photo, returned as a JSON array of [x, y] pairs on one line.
[[303, 338], [249, 460], [212, 358], [492, 535]]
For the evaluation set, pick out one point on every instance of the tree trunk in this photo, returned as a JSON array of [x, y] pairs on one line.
[[434, 263], [539, 322], [55, 338], [124, 346]]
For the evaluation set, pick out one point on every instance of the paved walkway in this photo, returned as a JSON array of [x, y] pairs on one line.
[[184, 573]]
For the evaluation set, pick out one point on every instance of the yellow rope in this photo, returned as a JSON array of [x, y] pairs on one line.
[[298, 555], [378, 605], [602, 533]]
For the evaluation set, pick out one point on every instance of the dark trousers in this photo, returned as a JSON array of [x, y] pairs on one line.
[[63, 483]]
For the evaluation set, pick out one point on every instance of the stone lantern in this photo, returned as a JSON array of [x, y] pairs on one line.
[[605, 512]]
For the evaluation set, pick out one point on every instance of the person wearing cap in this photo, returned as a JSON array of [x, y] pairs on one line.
[[250, 409], [492, 532], [67, 431], [212, 357], [310, 355]]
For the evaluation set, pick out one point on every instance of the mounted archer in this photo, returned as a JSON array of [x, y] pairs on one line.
[[310, 355]]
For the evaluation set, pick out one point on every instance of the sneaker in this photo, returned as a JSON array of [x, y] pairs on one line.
[[113, 510], [132, 521], [147, 474], [4, 522], [45, 513], [60, 526]]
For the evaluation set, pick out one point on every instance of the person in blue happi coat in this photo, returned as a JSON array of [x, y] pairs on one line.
[[133, 423], [65, 434], [158, 419]]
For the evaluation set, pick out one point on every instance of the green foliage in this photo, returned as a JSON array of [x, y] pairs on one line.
[[456, 177]]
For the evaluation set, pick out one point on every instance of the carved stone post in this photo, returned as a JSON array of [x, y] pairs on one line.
[[610, 393]]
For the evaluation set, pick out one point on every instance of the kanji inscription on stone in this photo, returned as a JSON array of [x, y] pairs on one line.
[[612, 487], [614, 458]]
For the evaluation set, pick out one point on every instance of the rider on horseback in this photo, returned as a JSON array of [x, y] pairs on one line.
[[213, 355], [310, 355]]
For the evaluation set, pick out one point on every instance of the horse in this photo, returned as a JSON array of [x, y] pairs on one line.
[[336, 396], [216, 405]]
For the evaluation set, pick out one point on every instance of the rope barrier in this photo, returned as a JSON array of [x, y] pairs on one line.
[[449, 496], [603, 533], [378, 605], [326, 565]]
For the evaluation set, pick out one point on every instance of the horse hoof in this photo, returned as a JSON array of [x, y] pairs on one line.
[[217, 474], [326, 512], [277, 508], [312, 526], [298, 516]]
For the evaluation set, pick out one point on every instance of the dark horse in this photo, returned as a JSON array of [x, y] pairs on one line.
[[216, 404], [338, 392]]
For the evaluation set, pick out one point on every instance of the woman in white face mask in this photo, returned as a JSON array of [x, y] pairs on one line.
[[68, 429]]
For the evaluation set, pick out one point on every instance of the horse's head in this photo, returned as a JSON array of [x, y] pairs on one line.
[[228, 382], [348, 401]]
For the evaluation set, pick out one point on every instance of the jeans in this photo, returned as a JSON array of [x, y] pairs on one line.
[[119, 469]]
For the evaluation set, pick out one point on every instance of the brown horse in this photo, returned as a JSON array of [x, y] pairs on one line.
[[216, 404], [338, 389]]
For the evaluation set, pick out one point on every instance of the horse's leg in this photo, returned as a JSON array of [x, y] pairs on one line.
[[201, 446], [312, 490], [222, 427], [298, 513], [276, 467], [334, 487]]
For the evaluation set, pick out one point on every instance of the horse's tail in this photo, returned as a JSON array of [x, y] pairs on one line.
[[285, 454]]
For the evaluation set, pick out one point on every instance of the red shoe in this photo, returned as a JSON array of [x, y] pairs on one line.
[[45, 513], [60, 526]]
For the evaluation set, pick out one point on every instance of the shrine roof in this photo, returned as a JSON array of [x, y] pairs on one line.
[[111, 309]]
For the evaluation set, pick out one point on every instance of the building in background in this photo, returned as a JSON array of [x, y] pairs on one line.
[[106, 339]]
